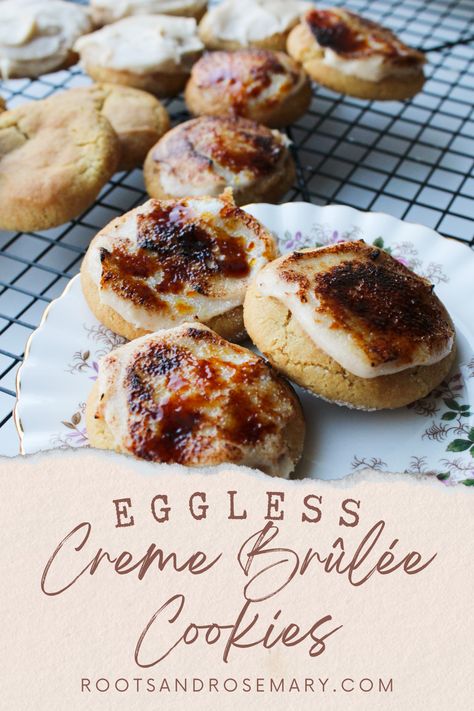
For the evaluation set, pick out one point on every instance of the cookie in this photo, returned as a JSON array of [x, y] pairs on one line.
[[55, 156], [352, 325], [37, 36], [150, 52], [349, 54], [137, 117], [107, 11], [167, 262], [265, 86], [3, 106], [187, 396], [236, 24], [205, 155]]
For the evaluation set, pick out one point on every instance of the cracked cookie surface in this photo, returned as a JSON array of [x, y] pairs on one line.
[[55, 156], [137, 117]]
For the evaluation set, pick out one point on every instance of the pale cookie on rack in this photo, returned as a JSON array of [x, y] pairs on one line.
[[137, 117], [37, 36], [150, 52], [187, 396], [352, 325], [205, 155], [106, 11], [55, 157], [164, 263], [349, 54], [236, 24], [265, 86]]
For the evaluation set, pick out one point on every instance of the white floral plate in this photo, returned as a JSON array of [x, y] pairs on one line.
[[433, 436]]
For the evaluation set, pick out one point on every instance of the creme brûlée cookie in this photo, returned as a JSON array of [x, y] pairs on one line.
[[265, 86], [168, 262], [352, 325], [205, 155], [352, 55], [187, 396]]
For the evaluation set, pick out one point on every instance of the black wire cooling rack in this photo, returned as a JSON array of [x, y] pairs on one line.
[[414, 160]]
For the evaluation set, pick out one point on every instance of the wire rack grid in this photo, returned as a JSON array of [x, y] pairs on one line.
[[414, 160]]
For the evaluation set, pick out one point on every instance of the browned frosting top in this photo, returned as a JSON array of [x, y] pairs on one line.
[[235, 144], [244, 75], [389, 311], [352, 36], [187, 396], [187, 252]]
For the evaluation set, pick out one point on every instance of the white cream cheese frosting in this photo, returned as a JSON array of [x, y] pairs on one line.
[[113, 10], [36, 36], [374, 68], [245, 21], [385, 321], [143, 44], [200, 287]]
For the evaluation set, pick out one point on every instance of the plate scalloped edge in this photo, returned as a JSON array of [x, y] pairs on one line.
[[301, 224]]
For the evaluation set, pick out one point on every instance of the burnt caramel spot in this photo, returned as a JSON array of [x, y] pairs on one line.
[[126, 274], [203, 334], [244, 145], [180, 251], [389, 310], [331, 31], [180, 405], [243, 75], [235, 143], [301, 281], [353, 36]]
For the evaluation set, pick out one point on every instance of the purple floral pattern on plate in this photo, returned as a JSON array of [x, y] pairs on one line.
[[100, 341], [451, 425], [435, 435]]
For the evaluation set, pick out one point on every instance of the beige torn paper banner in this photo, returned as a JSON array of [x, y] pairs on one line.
[[127, 585]]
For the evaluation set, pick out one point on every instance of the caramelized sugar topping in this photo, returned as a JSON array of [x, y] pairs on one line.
[[179, 250], [181, 404], [353, 36], [243, 75], [235, 143], [389, 310]]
